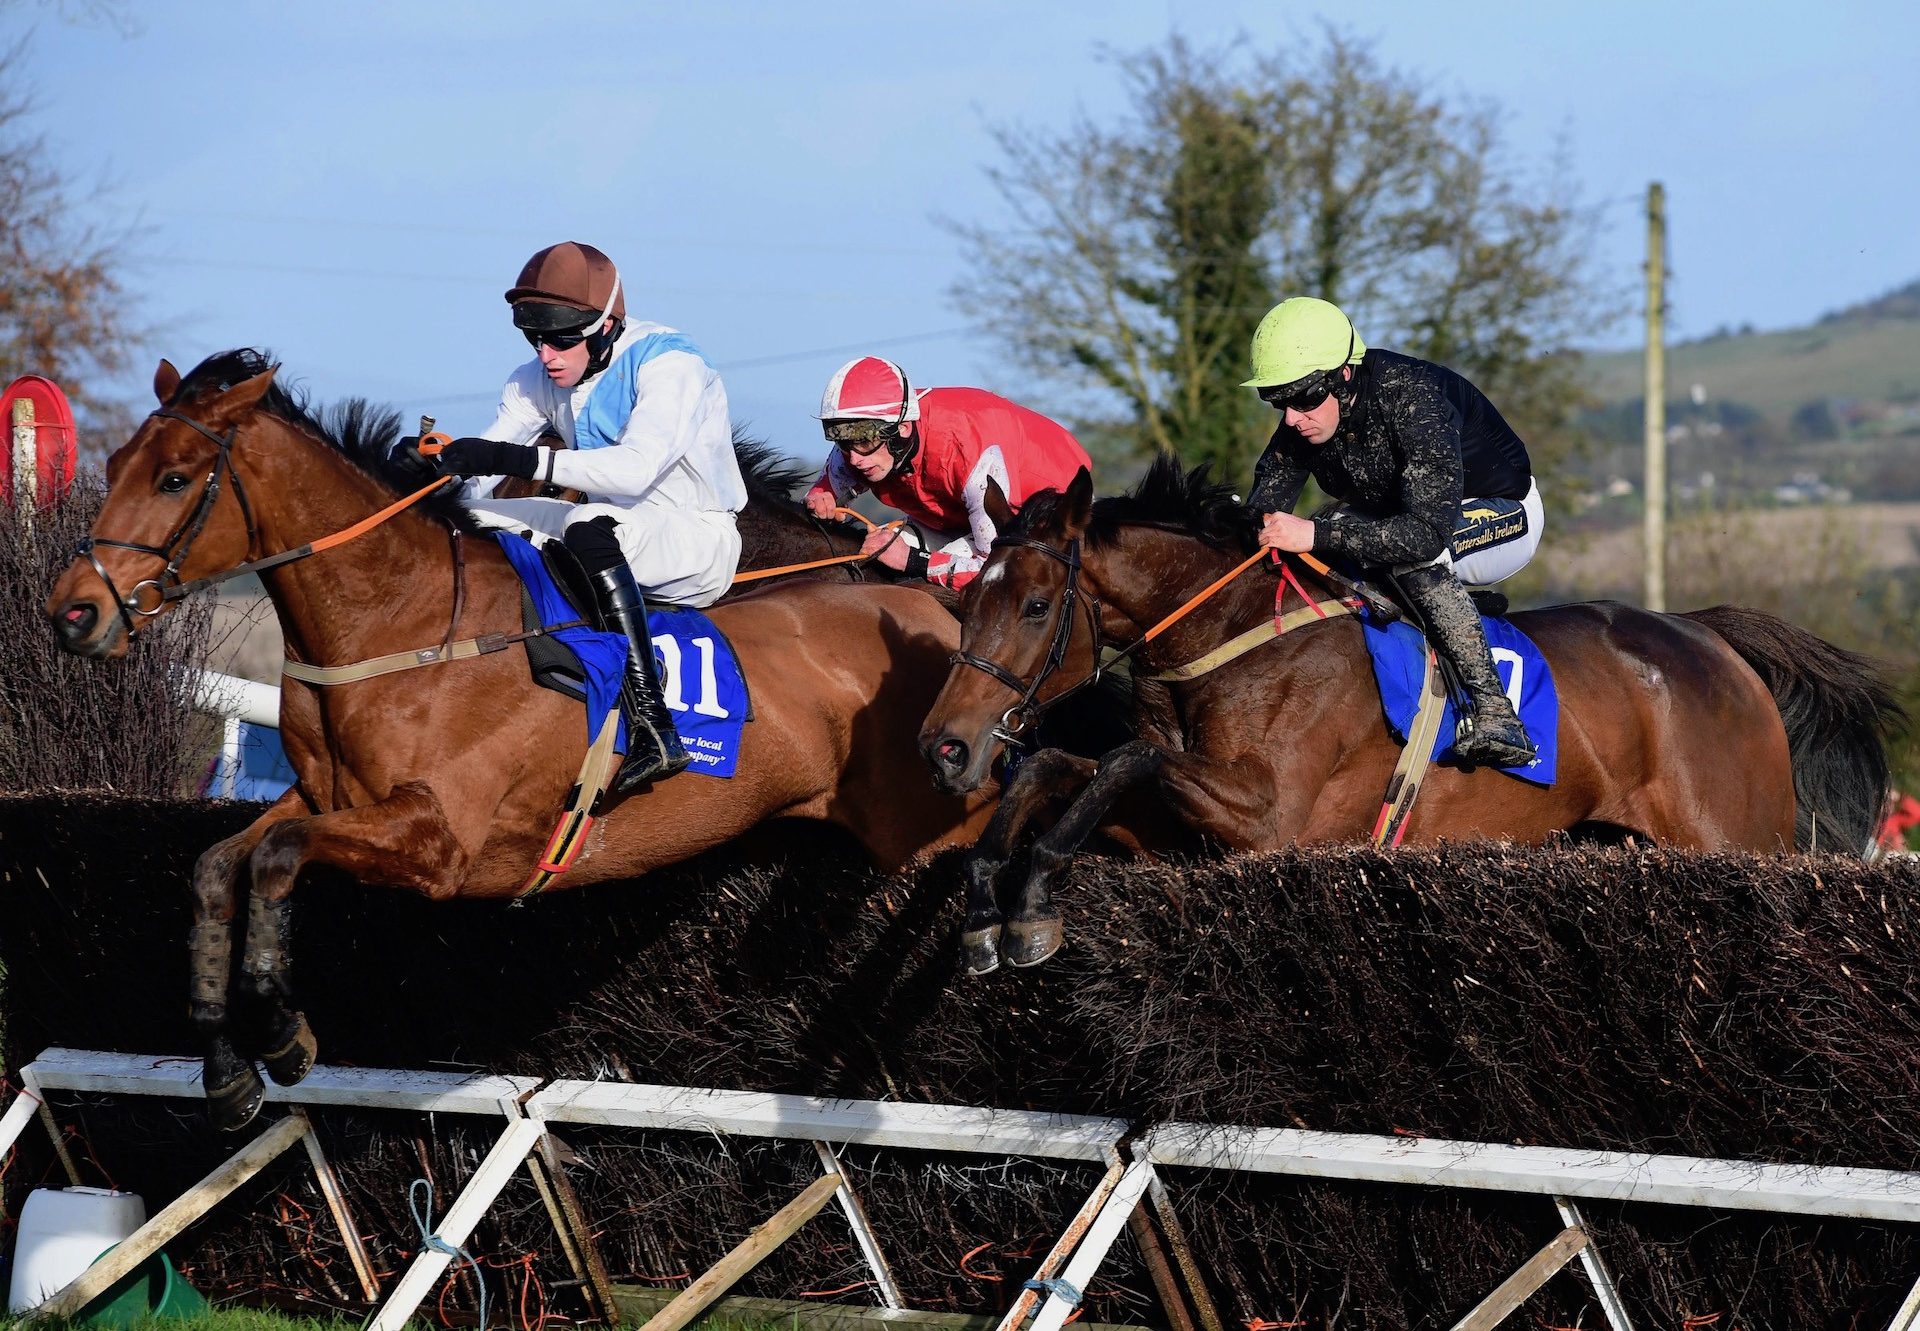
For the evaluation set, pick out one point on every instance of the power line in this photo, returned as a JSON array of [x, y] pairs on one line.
[[519, 233], [752, 364]]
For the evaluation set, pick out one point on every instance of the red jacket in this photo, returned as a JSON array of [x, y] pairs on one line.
[[967, 436]]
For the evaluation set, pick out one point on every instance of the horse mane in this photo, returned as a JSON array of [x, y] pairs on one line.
[[771, 476], [1170, 496], [360, 431]]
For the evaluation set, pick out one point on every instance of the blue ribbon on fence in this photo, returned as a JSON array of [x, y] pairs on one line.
[[432, 1242], [1060, 1289]]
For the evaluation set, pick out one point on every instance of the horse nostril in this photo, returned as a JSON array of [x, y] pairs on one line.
[[77, 621]]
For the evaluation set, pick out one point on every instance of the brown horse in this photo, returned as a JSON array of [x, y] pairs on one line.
[[1690, 730], [449, 780]]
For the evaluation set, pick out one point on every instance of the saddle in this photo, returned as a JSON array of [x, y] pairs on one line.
[[553, 663]]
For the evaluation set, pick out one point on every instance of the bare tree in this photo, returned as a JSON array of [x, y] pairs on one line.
[[65, 311], [1142, 253]]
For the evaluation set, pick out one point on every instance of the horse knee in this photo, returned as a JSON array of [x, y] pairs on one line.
[[276, 860], [214, 875]]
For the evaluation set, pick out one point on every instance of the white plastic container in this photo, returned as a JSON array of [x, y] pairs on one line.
[[63, 1231]]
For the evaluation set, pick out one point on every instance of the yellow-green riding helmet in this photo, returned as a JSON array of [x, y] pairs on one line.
[[1300, 337]]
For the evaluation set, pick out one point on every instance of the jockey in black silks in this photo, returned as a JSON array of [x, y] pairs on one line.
[[1436, 488]]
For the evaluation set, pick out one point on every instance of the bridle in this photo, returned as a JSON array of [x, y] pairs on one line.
[[174, 550], [1024, 713], [168, 587]]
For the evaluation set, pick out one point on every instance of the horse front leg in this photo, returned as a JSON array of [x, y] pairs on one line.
[[401, 841], [1036, 930], [1045, 776], [234, 1090]]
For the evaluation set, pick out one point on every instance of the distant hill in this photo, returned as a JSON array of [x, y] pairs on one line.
[[1900, 303], [1866, 353]]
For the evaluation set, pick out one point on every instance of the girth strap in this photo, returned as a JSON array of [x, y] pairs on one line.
[[394, 662]]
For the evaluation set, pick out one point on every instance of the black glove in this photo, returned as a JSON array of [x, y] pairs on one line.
[[409, 464], [489, 457]]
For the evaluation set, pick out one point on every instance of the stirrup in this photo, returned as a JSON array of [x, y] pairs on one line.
[[1492, 748], [647, 760]]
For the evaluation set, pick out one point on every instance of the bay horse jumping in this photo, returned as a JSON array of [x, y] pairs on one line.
[[449, 780], [1718, 729]]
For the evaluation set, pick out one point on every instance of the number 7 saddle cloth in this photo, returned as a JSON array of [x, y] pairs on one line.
[[1399, 655]]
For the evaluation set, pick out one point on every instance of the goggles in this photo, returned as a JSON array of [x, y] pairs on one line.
[[863, 438], [567, 341], [1286, 397]]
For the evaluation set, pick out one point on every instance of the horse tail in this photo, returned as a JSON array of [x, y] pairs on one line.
[[1838, 709]]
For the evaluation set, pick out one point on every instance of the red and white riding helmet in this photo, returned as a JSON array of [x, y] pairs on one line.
[[869, 388]]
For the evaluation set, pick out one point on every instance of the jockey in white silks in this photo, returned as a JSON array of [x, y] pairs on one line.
[[652, 449]]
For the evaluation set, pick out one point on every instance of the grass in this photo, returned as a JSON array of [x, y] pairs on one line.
[[1872, 361]]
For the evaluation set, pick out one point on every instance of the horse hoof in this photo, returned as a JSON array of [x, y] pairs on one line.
[[293, 1060], [236, 1104], [1030, 942], [980, 950]]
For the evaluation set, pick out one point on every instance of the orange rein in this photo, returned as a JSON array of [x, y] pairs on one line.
[[759, 573], [1216, 585]]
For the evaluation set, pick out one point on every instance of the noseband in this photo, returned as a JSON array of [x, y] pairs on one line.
[[174, 550], [1017, 718]]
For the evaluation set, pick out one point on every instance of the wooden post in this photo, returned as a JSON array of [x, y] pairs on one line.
[[1611, 1305], [1656, 402], [570, 1224], [343, 1217], [1176, 1233], [181, 1212], [863, 1235], [752, 1250], [1513, 1291], [26, 461]]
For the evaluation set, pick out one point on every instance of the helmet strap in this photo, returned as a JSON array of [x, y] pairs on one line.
[[600, 341]]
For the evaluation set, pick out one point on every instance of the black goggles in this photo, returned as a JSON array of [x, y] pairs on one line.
[[863, 438], [567, 341], [1287, 397]]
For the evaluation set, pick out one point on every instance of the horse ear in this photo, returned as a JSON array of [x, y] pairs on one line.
[[166, 380], [1079, 505], [996, 505], [244, 396]]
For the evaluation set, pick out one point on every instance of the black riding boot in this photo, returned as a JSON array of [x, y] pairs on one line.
[[653, 745], [1492, 736]]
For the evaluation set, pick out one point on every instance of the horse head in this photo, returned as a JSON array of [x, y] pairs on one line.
[[165, 521], [1029, 636]]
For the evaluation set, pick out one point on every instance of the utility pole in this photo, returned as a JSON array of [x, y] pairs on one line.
[[1656, 437]]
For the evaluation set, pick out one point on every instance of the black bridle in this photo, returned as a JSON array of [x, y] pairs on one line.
[[1027, 710], [172, 552]]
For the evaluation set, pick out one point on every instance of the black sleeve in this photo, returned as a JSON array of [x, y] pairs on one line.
[[1428, 430], [1278, 478]]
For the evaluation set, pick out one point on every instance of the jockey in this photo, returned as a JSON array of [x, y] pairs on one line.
[[930, 453], [1437, 489], [652, 448]]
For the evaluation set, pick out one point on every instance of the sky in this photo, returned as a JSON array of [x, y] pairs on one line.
[[355, 184]]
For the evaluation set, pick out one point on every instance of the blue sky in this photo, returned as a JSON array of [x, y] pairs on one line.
[[355, 184]]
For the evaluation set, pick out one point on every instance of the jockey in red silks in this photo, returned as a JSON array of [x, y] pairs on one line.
[[929, 453]]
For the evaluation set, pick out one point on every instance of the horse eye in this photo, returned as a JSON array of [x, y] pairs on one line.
[[1035, 608], [173, 483]]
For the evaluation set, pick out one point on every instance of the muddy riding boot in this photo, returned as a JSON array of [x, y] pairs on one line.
[[1492, 736], [653, 745]]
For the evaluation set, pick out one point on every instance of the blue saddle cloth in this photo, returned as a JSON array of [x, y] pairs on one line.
[[1399, 666], [700, 677]]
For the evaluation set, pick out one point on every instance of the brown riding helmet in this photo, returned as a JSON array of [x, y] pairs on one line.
[[573, 275]]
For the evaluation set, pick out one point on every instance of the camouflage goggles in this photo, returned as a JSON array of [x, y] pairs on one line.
[[860, 437]]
